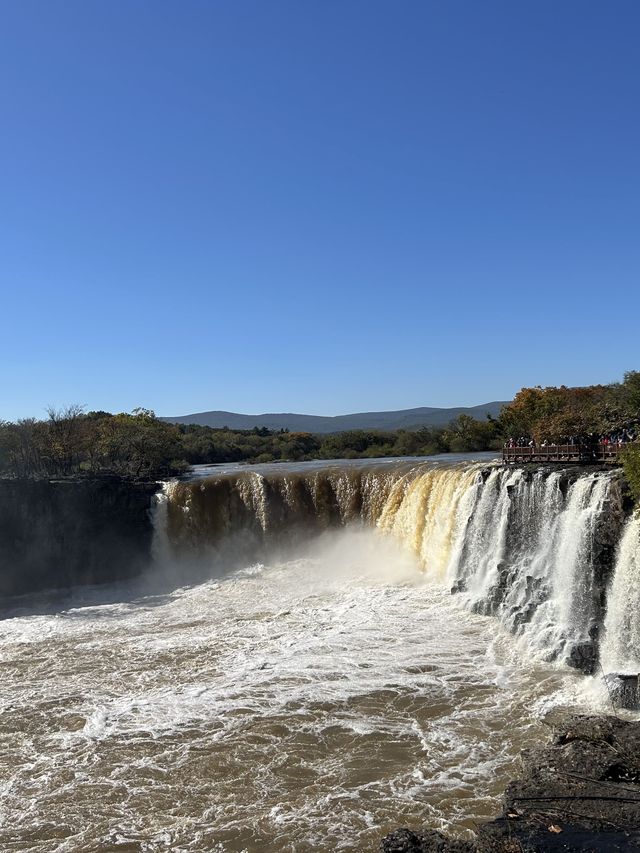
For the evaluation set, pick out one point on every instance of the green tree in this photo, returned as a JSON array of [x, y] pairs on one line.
[[631, 467], [138, 445]]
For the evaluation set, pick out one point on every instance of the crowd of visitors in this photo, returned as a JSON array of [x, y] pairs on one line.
[[619, 438], [625, 436]]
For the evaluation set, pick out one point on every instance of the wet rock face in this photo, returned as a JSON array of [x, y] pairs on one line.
[[581, 793], [406, 841], [55, 534], [584, 656], [624, 690]]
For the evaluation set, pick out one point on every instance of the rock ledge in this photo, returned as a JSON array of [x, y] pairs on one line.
[[580, 793]]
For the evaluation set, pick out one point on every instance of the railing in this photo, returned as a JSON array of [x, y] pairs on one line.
[[609, 452], [579, 453]]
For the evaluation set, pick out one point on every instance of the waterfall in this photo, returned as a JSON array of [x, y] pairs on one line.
[[201, 513], [161, 547], [621, 644], [517, 546], [424, 513], [528, 547]]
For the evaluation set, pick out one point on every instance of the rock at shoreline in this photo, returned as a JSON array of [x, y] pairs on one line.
[[581, 793], [406, 841], [584, 656], [624, 690]]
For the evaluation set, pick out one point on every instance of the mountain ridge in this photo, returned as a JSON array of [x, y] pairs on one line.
[[387, 420]]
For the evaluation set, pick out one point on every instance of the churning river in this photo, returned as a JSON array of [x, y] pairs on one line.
[[302, 693]]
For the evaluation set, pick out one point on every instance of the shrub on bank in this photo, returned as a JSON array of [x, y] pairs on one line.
[[71, 443], [631, 467]]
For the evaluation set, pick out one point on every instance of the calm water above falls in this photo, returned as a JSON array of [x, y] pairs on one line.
[[310, 701]]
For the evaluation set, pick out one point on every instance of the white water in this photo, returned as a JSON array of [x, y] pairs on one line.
[[311, 704], [621, 645], [518, 547], [321, 697]]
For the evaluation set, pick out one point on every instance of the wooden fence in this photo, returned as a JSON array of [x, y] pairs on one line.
[[582, 454]]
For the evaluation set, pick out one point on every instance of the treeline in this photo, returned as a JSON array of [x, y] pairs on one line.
[[202, 444], [587, 413], [71, 442]]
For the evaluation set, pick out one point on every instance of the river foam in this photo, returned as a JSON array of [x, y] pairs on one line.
[[294, 673], [307, 704]]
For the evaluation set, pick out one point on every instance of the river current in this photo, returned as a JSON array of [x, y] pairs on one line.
[[311, 700]]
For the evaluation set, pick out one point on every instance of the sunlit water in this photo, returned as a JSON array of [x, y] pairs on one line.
[[313, 703]]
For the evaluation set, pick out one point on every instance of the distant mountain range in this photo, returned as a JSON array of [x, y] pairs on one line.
[[403, 419]]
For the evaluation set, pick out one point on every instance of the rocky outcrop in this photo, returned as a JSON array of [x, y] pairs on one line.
[[581, 793], [429, 841], [55, 534], [624, 690]]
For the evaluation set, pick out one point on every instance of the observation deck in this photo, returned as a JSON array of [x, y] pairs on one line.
[[579, 454]]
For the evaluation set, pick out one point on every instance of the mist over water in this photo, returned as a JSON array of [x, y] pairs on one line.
[[314, 685]]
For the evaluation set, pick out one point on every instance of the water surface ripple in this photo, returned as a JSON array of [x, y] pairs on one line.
[[309, 704]]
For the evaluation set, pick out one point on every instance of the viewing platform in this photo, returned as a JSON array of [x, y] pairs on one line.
[[579, 454]]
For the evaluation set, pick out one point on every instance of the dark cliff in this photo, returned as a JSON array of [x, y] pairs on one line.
[[55, 534]]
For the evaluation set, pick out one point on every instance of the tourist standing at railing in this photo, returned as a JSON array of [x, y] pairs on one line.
[[613, 441]]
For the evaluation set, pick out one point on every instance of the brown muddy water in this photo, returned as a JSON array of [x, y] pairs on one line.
[[312, 701]]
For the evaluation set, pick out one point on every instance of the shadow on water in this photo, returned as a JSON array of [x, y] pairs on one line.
[[66, 601], [162, 582]]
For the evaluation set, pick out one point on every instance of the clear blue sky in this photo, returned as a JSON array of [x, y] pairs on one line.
[[313, 205]]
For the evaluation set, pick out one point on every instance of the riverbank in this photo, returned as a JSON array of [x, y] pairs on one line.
[[581, 792]]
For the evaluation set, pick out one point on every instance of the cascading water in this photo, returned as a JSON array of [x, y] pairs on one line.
[[519, 545], [425, 514], [621, 644], [528, 557], [318, 685]]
